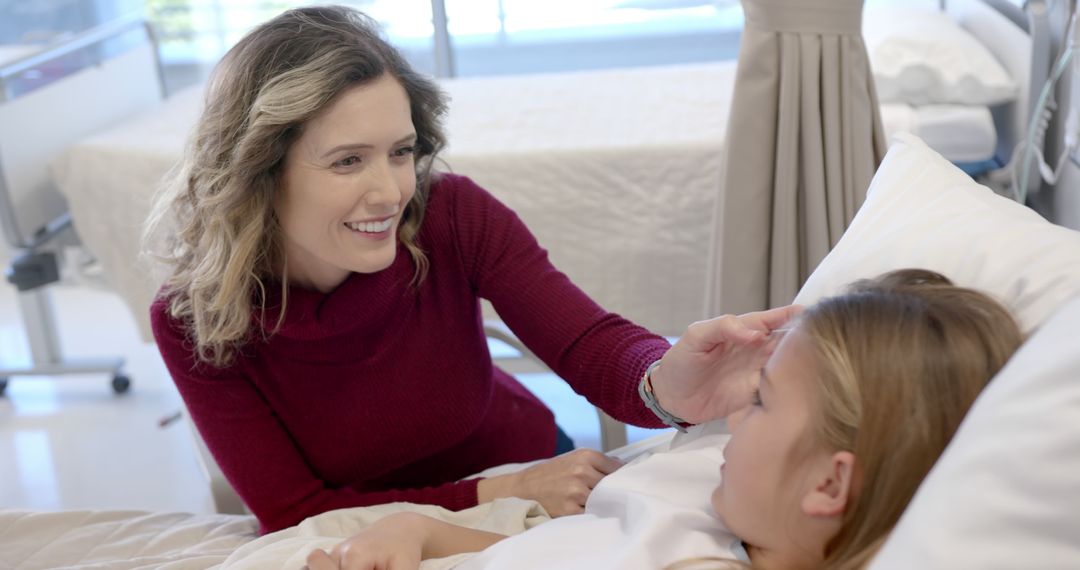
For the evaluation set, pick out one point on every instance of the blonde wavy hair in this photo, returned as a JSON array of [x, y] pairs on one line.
[[901, 359], [213, 223]]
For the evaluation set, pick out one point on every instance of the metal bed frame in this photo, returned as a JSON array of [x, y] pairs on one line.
[[1032, 18]]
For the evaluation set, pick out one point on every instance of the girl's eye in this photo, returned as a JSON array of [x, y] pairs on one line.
[[347, 161], [404, 151], [756, 401]]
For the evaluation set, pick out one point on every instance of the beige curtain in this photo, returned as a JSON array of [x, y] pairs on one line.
[[804, 138]]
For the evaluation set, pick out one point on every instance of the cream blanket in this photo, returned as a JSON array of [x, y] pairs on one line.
[[134, 540], [120, 540]]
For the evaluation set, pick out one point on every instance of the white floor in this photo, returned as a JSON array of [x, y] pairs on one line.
[[70, 443]]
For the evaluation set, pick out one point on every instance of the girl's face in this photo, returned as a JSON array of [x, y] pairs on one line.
[[345, 184], [775, 481]]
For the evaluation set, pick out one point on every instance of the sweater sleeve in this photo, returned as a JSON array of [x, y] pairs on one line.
[[254, 450], [600, 354]]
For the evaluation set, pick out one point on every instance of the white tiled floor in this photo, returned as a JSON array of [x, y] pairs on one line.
[[70, 443]]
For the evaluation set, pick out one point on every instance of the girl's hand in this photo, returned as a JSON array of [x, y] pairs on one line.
[[393, 543], [561, 484], [713, 369], [400, 542]]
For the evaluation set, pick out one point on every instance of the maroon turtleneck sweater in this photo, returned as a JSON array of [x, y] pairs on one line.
[[378, 392]]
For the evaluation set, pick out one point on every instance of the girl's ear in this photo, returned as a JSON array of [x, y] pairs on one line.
[[829, 495]]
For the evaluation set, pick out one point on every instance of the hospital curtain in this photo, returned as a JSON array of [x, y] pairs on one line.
[[803, 141]]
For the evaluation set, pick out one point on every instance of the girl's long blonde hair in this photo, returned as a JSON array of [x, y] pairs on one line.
[[901, 359], [213, 223]]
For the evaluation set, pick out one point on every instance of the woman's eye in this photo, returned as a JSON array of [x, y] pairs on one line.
[[404, 151], [347, 161]]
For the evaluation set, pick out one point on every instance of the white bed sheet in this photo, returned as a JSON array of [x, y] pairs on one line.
[[616, 172], [960, 133], [654, 512]]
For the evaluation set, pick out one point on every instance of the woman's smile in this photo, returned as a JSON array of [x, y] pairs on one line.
[[374, 230]]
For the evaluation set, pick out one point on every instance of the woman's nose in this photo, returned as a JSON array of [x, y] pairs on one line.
[[383, 188]]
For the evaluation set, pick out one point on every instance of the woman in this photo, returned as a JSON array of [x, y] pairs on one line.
[[322, 321], [847, 418]]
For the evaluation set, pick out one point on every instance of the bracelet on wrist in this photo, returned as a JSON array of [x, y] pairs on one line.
[[648, 396]]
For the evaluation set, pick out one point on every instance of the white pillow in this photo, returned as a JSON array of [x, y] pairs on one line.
[[920, 56], [921, 211], [1006, 492]]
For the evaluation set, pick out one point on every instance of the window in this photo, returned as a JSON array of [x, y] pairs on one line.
[[201, 31], [486, 36], [515, 36]]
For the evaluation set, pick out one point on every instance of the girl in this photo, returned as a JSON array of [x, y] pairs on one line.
[[847, 417]]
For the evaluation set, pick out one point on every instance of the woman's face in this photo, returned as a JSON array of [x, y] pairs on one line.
[[345, 184], [762, 481]]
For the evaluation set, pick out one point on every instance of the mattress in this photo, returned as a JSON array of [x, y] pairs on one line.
[[960, 133]]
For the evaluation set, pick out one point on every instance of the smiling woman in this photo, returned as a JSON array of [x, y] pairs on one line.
[[277, 103], [322, 320]]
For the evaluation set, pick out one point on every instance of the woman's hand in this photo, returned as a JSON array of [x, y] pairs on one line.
[[713, 369], [561, 485], [393, 543]]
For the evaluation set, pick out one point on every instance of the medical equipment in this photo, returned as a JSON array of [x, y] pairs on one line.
[[1043, 111]]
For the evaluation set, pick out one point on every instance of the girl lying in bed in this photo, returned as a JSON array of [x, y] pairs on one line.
[[853, 408]]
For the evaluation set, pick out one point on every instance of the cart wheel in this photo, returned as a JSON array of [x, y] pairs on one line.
[[121, 384], [3, 386]]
